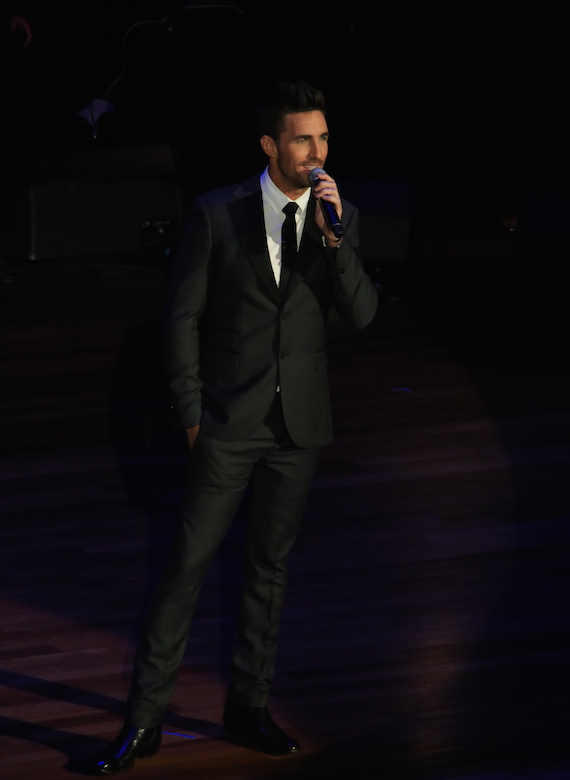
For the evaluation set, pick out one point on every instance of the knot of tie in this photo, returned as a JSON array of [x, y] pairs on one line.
[[290, 209]]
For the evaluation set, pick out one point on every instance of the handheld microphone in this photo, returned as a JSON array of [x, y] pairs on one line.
[[329, 211]]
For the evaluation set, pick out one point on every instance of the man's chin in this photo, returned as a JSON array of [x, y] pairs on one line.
[[295, 180], [302, 179]]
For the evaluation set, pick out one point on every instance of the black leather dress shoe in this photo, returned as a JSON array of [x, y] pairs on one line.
[[131, 743], [254, 726]]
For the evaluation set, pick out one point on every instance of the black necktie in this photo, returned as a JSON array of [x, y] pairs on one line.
[[288, 244]]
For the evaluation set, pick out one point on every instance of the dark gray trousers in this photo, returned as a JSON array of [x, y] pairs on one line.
[[218, 474]]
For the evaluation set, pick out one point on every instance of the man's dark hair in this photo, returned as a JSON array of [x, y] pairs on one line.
[[286, 98]]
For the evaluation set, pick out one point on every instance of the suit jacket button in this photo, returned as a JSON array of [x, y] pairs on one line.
[[284, 354]]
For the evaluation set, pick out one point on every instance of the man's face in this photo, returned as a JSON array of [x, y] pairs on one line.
[[301, 146]]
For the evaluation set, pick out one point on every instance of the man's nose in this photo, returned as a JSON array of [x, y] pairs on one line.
[[316, 150]]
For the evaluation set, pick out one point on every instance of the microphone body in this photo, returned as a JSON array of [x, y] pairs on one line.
[[329, 212]]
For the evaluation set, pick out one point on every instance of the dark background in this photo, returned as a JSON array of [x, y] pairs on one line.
[[474, 91], [463, 104]]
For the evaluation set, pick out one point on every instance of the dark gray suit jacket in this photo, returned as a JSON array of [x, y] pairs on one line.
[[233, 336]]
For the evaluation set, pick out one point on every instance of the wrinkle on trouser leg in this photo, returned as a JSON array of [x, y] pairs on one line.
[[280, 487]]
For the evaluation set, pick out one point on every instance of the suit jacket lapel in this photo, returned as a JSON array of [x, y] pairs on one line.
[[247, 215]]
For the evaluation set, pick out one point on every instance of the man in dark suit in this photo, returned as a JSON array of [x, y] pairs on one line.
[[245, 335]]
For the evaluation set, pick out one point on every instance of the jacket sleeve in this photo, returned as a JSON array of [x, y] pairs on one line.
[[355, 296], [185, 303]]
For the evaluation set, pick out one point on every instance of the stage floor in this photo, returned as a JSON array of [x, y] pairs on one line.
[[426, 632]]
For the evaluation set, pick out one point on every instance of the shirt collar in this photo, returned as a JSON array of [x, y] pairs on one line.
[[277, 199]]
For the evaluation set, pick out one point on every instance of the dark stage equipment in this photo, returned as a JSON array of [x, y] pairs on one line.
[[92, 202], [386, 210]]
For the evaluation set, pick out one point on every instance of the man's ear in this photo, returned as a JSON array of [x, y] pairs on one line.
[[269, 146]]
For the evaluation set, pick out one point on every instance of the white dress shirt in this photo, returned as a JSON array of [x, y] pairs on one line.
[[273, 203]]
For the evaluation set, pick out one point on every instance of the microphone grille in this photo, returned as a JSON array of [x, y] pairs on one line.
[[314, 176]]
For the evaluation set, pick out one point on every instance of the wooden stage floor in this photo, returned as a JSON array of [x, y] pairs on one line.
[[427, 626]]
